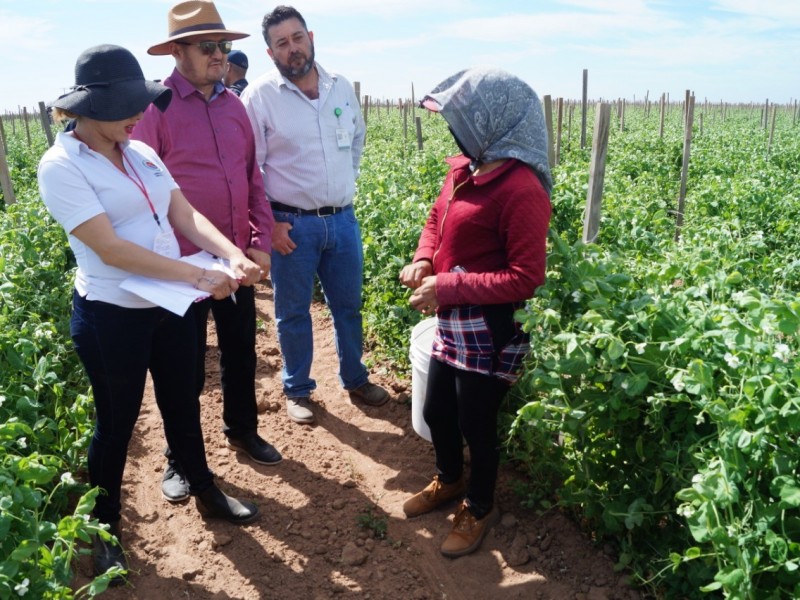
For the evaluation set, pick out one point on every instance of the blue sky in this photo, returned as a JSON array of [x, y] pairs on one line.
[[732, 50]]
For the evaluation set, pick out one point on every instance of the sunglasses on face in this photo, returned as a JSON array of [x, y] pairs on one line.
[[208, 48]]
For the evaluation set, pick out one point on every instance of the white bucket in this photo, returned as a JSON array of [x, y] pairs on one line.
[[420, 354]]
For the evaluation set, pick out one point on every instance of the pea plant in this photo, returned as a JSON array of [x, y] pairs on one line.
[[661, 393]]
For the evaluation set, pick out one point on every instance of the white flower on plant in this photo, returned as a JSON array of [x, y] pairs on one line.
[[768, 325], [782, 352], [576, 296], [624, 385], [22, 588], [732, 360], [67, 479], [677, 382], [22, 442], [640, 348], [2, 399]]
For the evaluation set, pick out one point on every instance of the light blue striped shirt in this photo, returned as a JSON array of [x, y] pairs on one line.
[[297, 150]]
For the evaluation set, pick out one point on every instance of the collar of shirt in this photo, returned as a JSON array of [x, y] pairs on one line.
[[461, 164], [326, 81], [185, 88], [73, 145]]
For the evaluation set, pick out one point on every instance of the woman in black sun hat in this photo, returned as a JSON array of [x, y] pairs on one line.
[[118, 203]]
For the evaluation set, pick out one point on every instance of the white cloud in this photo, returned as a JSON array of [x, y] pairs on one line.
[[784, 13], [27, 33]]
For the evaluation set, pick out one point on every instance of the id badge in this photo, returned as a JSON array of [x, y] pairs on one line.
[[343, 138], [166, 244]]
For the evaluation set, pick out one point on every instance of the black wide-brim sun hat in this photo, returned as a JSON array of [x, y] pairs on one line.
[[110, 86]]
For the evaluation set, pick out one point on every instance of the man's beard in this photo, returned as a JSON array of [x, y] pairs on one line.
[[293, 73]]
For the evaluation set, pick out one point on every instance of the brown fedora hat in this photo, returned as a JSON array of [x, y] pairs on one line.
[[190, 18]]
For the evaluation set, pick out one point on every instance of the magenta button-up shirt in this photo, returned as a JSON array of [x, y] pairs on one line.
[[209, 149]]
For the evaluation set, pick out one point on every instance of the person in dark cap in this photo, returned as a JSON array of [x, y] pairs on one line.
[[206, 141], [119, 204], [480, 256], [236, 71]]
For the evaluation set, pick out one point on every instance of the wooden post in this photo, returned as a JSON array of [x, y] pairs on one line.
[[772, 128], [419, 133], [413, 101], [48, 131], [584, 101], [560, 118], [548, 120], [5, 176], [661, 121], [357, 90], [27, 126], [405, 126], [597, 171], [569, 121], [366, 108], [687, 146], [3, 135], [622, 116]]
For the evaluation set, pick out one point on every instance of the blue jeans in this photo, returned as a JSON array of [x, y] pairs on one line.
[[117, 347], [330, 248]]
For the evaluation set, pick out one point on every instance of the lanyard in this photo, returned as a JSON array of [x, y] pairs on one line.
[[137, 182], [140, 184]]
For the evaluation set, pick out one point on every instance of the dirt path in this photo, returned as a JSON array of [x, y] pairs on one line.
[[353, 468]]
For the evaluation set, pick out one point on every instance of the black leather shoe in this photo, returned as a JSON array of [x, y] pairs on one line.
[[256, 448], [213, 503], [174, 486], [109, 554]]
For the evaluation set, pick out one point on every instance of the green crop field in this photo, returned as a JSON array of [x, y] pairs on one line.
[[660, 404]]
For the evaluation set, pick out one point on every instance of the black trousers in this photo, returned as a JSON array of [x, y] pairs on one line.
[[117, 347], [463, 405], [236, 335]]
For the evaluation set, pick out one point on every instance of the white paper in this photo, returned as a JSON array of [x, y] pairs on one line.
[[175, 296]]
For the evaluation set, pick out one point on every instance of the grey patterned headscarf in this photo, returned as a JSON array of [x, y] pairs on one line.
[[494, 115]]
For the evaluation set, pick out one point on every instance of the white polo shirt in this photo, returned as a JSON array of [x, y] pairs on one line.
[[78, 184]]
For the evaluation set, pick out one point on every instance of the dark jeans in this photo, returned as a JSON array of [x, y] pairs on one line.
[[463, 403], [117, 347], [236, 335]]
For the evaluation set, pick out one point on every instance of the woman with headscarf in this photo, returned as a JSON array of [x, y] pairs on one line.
[[481, 254], [118, 203]]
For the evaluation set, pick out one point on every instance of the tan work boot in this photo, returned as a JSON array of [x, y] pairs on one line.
[[433, 496], [468, 532]]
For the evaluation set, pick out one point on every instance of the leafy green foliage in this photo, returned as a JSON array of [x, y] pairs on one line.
[[45, 414], [396, 189], [662, 387]]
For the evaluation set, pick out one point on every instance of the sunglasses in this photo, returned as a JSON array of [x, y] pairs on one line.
[[208, 48]]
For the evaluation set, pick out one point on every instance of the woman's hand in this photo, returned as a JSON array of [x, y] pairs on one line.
[[216, 283], [424, 297], [247, 271], [412, 275], [262, 259]]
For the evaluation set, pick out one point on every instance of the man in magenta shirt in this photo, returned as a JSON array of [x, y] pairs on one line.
[[206, 141]]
